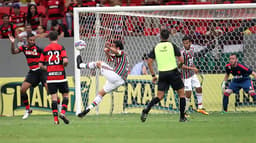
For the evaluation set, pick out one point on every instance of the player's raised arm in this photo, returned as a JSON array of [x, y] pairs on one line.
[[13, 49]]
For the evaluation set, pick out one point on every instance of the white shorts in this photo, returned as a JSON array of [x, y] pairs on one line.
[[191, 82], [113, 79]]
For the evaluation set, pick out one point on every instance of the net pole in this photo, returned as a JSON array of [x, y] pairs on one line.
[[77, 71], [97, 45]]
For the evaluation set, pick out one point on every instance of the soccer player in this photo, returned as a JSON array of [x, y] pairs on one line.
[[115, 76], [165, 54], [32, 53], [189, 72], [55, 57], [241, 79]]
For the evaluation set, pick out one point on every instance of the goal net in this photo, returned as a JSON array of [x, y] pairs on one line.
[[216, 31]]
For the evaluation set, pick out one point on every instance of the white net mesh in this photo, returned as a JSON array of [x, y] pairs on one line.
[[215, 34]]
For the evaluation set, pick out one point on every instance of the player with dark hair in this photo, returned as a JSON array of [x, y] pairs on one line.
[[241, 79], [55, 57], [165, 54], [189, 72], [115, 76], [32, 53], [7, 28]]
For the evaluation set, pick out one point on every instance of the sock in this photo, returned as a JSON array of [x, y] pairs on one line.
[[24, 98], [58, 100], [187, 104], [225, 101], [64, 105], [55, 110], [199, 100], [91, 65], [151, 104], [182, 107], [95, 102]]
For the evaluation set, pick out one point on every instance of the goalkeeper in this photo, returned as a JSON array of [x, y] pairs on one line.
[[241, 79], [115, 76]]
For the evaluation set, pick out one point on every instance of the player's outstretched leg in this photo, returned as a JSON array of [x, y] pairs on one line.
[[145, 111], [144, 115], [81, 65], [82, 114], [79, 61], [95, 102], [63, 110]]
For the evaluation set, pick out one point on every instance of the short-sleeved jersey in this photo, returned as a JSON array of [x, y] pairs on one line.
[[188, 56], [53, 56], [170, 51], [32, 55], [240, 72], [18, 20], [121, 64], [55, 9], [7, 30]]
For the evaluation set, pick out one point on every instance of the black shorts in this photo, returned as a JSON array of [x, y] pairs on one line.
[[61, 86], [168, 78], [35, 77]]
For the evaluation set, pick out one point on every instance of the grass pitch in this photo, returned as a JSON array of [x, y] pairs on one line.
[[127, 128]]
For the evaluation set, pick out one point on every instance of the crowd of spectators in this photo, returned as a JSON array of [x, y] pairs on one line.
[[42, 16]]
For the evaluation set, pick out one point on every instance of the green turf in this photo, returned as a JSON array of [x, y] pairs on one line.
[[215, 128]]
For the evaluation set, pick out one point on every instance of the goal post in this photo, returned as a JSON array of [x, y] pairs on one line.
[[216, 31]]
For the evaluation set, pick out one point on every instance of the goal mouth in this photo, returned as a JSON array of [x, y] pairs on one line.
[[216, 32]]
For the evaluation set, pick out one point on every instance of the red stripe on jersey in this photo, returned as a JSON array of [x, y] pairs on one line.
[[53, 54], [56, 77], [18, 20], [7, 30], [243, 67], [53, 68], [33, 67], [32, 60], [35, 21], [55, 8], [32, 55], [228, 65]]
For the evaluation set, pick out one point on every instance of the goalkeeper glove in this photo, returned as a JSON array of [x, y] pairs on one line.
[[223, 85]]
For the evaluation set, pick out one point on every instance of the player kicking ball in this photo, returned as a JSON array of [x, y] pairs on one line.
[[115, 76], [191, 81]]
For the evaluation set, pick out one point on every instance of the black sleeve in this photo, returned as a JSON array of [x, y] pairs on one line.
[[227, 70], [152, 54], [176, 51]]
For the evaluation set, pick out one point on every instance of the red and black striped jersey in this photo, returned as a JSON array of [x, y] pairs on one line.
[[35, 21], [32, 55], [53, 56], [55, 9], [18, 20], [7, 30]]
